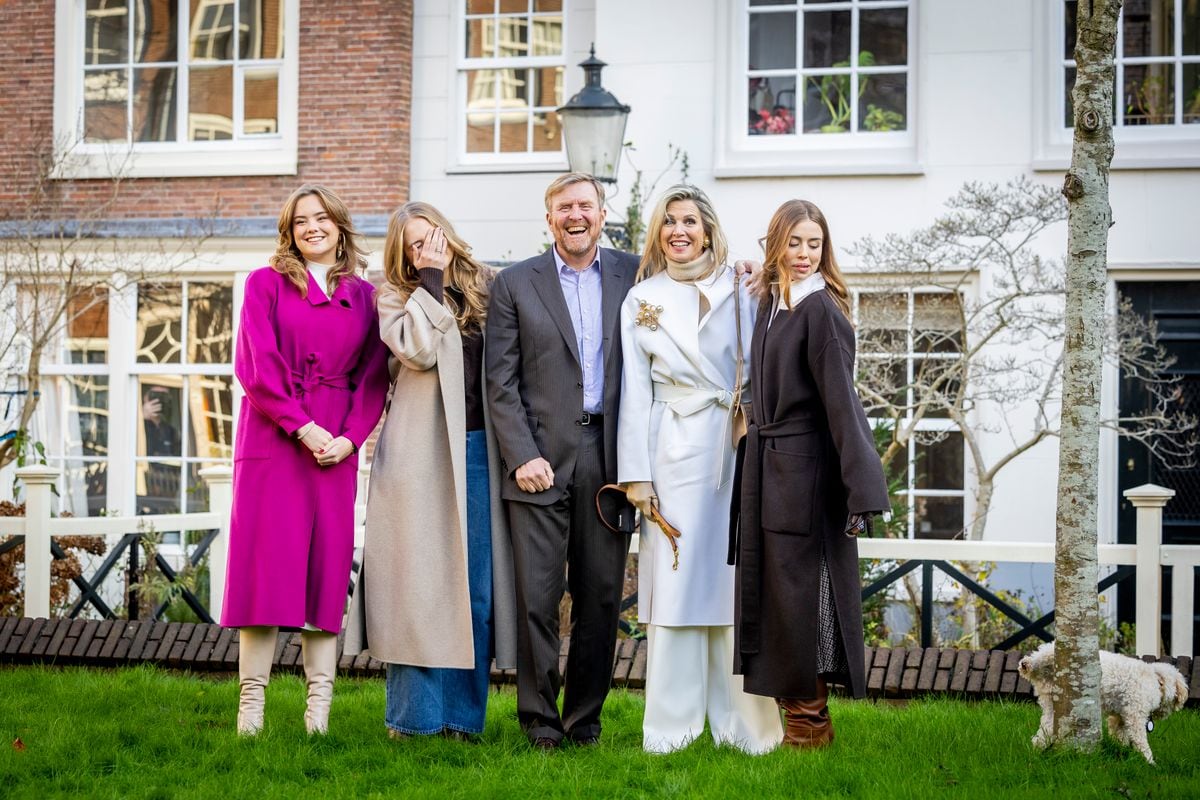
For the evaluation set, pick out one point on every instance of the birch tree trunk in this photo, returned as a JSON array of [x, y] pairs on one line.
[[1089, 216]]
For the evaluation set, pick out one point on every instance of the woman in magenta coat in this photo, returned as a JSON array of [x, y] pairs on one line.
[[315, 376]]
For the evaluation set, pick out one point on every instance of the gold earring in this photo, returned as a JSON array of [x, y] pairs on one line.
[[341, 250], [707, 242]]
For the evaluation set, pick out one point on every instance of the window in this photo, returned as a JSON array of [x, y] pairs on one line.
[[1156, 97], [825, 78], [510, 81], [908, 353], [148, 87], [132, 410]]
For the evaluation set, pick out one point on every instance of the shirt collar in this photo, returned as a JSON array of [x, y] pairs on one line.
[[562, 265]]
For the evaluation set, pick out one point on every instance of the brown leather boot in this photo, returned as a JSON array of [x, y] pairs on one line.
[[806, 722]]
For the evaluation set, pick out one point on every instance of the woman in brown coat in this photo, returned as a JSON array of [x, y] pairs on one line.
[[810, 481], [436, 598]]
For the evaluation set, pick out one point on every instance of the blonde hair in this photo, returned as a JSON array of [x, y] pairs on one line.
[[778, 234], [469, 276], [570, 179], [654, 260], [287, 259]]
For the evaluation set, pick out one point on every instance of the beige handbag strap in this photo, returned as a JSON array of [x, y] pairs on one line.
[[737, 326]]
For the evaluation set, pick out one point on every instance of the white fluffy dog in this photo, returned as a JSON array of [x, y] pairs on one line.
[[1133, 693]]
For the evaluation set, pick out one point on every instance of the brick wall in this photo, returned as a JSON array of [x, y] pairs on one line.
[[354, 100]]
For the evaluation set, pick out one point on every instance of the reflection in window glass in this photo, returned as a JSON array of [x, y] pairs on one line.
[[938, 517], [260, 29], [157, 487], [106, 31], [155, 31], [260, 99], [86, 340], [210, 323], [210, 399], [158, 323], [154, 104], [210, 103], [211, 30], [161, 416], [86, 428], [84, 488], [105, 99]]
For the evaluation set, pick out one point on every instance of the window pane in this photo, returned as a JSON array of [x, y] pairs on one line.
[[512, 37], [481, 38], [512, 88], [211, 30], [481, 6], [940, 464], [1191, 94], [514, 133], [1149, 95], [883, 323], [84, 487], [197, 498], [1069, 11], [105, 93], [1068, 100], [513, 6], [161, 416], [935, 385], [884, 35], [937, 323], [547, 36], [260, 29], [155, 33], [106, 32], [210, 103], [1148, 27], [481, 131], [210, 323], [481, 89], [882, 102], [772, 106], [547, 5], [547, 86], [547, 132], [87, 415], [158, 324], [157, 485], [827, 104], [87, 327], [260, 101], [882, 382], [1191, 27], [154, 90], [773, 41], [210, 408], [938, 517], [827, 39]]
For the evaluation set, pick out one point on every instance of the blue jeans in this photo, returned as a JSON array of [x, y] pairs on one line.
[[423, 700]]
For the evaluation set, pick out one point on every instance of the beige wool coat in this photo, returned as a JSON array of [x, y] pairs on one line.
[[411, 603]]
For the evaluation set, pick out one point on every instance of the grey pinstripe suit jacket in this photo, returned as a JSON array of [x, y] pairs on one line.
[[534, 378]]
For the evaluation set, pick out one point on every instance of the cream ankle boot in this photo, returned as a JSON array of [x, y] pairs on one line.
[[320, 665], [256, 653]]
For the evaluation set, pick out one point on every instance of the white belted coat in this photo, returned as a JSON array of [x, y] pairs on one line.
[[676, 390]]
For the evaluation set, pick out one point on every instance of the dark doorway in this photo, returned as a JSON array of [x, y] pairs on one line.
[[1175, 306]]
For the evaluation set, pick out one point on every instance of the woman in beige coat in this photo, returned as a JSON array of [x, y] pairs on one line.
[[435, 597]]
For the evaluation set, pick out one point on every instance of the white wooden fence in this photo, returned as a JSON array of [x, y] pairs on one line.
[[1148, 555]]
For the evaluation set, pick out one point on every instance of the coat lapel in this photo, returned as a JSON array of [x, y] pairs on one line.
[[614, 284], [546, 284]]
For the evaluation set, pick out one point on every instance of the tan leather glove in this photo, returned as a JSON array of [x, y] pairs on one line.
[[641, 495]]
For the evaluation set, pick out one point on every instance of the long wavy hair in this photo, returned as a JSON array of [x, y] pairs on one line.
[[466, 274], [287, 259], [779, 233], [654, 259]]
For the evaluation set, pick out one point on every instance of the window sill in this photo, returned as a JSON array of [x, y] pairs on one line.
[[510, 168], [192, 162], [813, 161], [1142, 154]]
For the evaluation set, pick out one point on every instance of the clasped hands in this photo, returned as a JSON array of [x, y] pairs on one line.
[[326, 448]]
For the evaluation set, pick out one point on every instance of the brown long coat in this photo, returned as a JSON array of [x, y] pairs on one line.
[[412, 603], [810, 461]]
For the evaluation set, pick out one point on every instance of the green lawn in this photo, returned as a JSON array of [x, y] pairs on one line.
[[147, 733]]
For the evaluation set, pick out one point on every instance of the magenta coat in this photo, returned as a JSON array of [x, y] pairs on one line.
[[291, 531]]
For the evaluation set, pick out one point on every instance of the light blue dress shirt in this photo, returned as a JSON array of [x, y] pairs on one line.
[[581, 289]]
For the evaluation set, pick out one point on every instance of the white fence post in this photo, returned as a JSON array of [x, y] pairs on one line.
[[220, 501], [1149, 500], [38, 481]]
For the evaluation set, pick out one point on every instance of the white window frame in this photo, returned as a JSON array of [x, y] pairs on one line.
[[910, 493], [460, 161], [264, 154], [739, 155], [1172, 146]]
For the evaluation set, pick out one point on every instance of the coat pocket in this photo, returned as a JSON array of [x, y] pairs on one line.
[[788, 483]]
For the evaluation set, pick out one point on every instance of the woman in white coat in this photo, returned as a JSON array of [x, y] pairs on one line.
[[679, 341]]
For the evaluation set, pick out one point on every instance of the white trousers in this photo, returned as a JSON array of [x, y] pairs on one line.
[[689, 676]]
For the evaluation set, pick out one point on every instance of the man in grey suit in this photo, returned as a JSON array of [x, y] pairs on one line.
[[553, 365]]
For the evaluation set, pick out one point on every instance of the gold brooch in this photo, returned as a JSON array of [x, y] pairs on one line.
[[648, 315]]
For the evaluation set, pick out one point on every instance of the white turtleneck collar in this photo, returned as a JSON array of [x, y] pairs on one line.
[[798, 291], [320, 273]]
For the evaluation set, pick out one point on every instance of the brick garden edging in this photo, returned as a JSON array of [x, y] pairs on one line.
[[200, 647]]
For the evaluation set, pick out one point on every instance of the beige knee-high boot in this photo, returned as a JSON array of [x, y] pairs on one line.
[[320, 665], [256, 653]]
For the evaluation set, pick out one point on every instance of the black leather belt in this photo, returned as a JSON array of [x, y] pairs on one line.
[[590, 419]]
